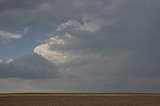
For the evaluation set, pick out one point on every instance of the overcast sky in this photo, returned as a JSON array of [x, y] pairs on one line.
[[79, 46]]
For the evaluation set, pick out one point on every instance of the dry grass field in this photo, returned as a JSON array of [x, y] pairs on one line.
[[79, 99]]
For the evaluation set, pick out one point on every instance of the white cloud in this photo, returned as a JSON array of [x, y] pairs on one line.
[[54, 49], [61, 57], [55, 57], [9, 60], [7, 36], [25, 30], [92, 25], [88, 24]]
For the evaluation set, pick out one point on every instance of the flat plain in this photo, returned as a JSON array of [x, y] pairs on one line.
[[80, 99]]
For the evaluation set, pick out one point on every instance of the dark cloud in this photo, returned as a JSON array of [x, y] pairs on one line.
[[120, 55], [30, 66], [48, 12], [18, 4]]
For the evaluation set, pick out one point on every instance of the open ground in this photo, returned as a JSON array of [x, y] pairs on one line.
[[79, 99]]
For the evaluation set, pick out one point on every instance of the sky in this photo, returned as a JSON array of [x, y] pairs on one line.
[[79, 46]]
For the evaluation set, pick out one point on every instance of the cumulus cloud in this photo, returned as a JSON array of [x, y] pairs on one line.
[[111, 46], [88, 24], [7, 36], [99, 45], [68, 35]]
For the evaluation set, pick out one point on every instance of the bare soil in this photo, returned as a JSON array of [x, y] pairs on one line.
[[79, 99]]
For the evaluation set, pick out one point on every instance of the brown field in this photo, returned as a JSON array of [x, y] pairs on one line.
[[79, 99]]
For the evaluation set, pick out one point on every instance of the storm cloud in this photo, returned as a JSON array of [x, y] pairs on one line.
[[18, 4], [30, 66], [108, 45]]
